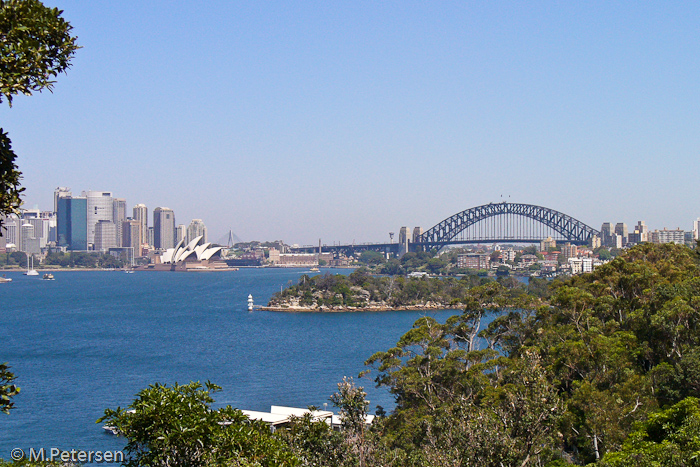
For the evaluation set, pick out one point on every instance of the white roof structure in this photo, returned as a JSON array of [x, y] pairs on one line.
[[279, 415], [194, 249]]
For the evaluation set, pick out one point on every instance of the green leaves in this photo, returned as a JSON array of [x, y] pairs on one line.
[[10, 177], [667, 438], [175, 426], [7, 389], [35, 46]]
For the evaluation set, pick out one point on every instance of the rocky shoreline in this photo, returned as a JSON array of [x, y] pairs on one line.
[[345, 309]]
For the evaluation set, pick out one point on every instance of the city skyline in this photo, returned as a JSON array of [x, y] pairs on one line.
[[139, 213], [347, 121]]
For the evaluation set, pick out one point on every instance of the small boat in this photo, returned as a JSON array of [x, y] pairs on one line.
[[314, 270], [4, 279], [48, 277]]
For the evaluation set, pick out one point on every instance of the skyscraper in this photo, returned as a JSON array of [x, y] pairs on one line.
[[606, 231], [181, 233], [118, 216], [131, 235], [163, 228], [60, 192], [141, 215], [105, 235], [621, 230], [72, 223], [100, 207], [195, 229]]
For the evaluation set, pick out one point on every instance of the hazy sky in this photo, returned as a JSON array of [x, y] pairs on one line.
[[347, 120]]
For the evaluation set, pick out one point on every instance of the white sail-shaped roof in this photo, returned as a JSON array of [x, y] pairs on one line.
[[202, 251], [194, 242], [210, 252]]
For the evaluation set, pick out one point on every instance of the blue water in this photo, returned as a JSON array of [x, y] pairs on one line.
[[91, 340]]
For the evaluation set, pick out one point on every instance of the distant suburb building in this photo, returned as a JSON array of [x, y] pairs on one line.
[[297, 259], [473, 261], [668, 236]]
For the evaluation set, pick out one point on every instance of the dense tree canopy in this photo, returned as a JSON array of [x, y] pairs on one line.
[[175, 426], [35, 46], [599, 368], [603, 354]]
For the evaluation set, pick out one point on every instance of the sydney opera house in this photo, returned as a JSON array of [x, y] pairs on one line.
[[196, 255]]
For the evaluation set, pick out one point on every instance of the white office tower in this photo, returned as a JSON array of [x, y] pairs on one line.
[[195, 229], [100, 207], [119, 216], [181, 233], [141, 215], [28, 243], [696, 229], [163, 228], [10, 230], [41, 229], [105, 235]]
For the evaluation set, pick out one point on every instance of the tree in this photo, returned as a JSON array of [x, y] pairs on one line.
[[668, 438], [175, 426], [370, 257], [35, 46], [353, 413], [7, 389], [10, 189]]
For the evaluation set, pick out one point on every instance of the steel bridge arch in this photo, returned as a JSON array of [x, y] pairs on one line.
[[571, 229]]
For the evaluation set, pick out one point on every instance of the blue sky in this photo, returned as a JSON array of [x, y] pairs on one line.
[[347, 120]]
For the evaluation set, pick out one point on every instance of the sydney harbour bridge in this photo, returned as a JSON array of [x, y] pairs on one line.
[[490, 223]]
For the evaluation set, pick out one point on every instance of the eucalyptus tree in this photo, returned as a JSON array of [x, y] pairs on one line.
[[36, 45]]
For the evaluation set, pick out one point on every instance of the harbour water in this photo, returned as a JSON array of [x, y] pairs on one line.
[[91, 340]]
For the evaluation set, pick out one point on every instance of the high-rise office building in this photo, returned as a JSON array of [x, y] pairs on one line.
[[141, 215], [72, 223], [60, 192], [606, 232], [131, 235], [100, 207], [195, 229], [41, 229], [118, 216], [181, 233], [105, 235], [10, 230], [163, 228], [640, 234], [621, 230], [26, 232]]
